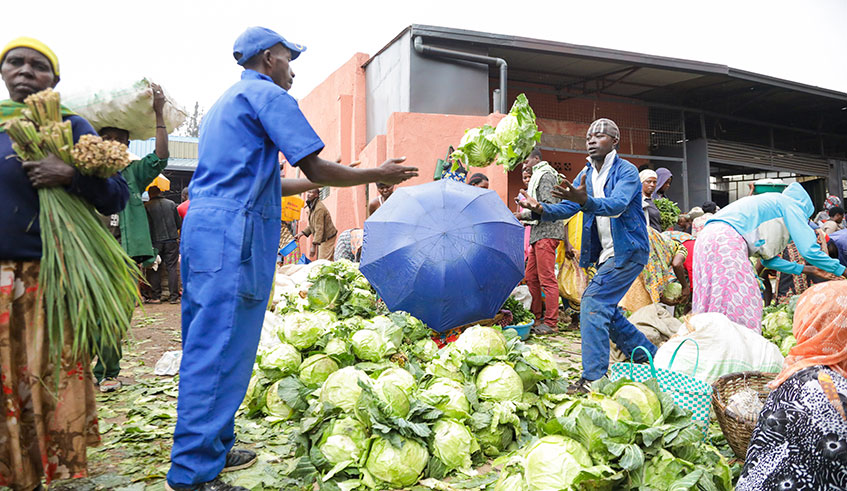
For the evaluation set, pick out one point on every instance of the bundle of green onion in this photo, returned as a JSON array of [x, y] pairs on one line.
[[89, 286]]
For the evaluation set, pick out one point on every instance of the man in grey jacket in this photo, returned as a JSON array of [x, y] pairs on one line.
[[165, 223], [544, 238]]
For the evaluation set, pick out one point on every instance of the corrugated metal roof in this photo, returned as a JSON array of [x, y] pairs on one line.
[[585, 71], [183, 151]]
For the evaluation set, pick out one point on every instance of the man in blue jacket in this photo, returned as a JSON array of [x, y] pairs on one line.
[[614, 237]]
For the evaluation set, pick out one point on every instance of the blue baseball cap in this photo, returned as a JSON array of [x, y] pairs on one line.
[[256, 39]]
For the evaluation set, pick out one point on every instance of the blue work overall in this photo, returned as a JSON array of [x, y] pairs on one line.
[[230, 239], [227, 279]]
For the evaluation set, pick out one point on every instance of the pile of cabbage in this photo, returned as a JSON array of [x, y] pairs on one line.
[[376, 405], [624, 435], [509, 143], [778, 325]]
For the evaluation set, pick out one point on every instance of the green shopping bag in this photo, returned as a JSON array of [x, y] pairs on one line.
[[687, 392]]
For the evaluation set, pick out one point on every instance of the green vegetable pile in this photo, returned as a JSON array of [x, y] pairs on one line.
[[510, 143], [625, 435], [370, 402], [520, 314], [669, 211], [778, 325]]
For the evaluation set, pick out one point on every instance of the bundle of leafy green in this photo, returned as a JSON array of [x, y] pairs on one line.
[[510, 143], [520, 314], [624, 435], [669, 211]]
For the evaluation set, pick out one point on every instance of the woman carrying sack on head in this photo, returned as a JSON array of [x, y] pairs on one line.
[[800, 440]]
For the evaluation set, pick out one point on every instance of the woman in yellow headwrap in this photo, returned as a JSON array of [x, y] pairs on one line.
[[49, 422]]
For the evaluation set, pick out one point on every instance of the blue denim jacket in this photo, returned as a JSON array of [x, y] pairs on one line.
[[623, 204]]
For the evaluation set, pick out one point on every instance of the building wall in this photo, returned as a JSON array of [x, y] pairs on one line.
[[359, 115]]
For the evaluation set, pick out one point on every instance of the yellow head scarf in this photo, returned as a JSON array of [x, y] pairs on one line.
[[25, 42]]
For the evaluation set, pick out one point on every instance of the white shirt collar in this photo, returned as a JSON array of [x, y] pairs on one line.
[[610, 157]]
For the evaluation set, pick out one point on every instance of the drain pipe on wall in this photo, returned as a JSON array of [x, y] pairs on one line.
[[423, 49]]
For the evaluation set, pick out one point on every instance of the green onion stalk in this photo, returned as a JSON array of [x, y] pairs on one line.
[[87, 281]]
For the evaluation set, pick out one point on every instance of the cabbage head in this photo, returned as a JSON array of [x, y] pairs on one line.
[[476, 147], [398, 466], [399, 377], [787, 344], [325, 293], [336, 346], [315, 369], [280, 361], [496, 440], [510, 481], [641, 402], [540, 365], [499, 382], [672, 290], [394, 397], [452, 443], [447, 364], [344, 439], [274, 406], [448, 396], [482, 341], [369, 345], [553, 462], [254, 400], [425, 349], [384, 326], [302, 329], [341, 389]]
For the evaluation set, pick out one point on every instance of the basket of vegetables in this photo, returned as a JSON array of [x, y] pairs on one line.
[[522, 319], [737, 399]]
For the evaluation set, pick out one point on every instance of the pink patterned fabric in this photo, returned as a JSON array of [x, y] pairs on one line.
[[724, 278]]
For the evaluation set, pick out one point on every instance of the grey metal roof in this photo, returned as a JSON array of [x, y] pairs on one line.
[[183, 150], [578, 71]]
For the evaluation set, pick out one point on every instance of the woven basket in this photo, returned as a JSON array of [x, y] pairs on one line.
[[738, 431]]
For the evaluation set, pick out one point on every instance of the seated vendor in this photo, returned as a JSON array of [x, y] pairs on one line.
[[800, 440]]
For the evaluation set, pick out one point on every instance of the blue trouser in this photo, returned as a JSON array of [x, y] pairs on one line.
[[600, 319], [228, 256]]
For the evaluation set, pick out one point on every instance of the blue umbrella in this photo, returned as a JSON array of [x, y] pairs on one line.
[[446, 252]]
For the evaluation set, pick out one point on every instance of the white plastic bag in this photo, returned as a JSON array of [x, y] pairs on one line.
[[521, 294], [725, 347], [271, 328], [129, 107], [168, 364]]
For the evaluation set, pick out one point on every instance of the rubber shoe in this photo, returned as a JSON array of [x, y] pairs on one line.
[[582, 386], [541, 330], [239, 458], [110, 385], [214, 485]]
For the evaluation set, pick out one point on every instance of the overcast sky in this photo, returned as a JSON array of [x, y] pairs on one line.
[[187, 45]]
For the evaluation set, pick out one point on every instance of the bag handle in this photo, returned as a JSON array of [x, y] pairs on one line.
[[696, 362], [649, 357]]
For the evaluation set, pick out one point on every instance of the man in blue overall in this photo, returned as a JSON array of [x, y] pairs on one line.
[[614, 237], [229, 246]]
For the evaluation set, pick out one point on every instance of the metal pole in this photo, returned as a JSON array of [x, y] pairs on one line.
[[685, 198]]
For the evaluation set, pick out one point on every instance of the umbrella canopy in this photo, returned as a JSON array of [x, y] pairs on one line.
[[445, 252]]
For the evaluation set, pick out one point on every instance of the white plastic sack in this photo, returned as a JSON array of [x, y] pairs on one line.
[[655, 322], [168, 364], [270, 332], [521, 294], [129, 107], [725, 347]]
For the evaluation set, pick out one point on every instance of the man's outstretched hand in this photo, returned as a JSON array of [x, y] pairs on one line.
[[568, 191], [394, 173], [529, 203]]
